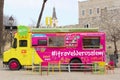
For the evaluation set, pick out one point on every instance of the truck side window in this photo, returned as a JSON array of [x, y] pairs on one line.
[[15, 43], [91, 42], [22, 43], [56, 41], [42, 42]]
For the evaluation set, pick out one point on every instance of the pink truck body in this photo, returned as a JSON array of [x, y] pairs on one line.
[[87, 47]]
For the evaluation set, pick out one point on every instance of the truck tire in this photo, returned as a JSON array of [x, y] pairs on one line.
[[75, 65], [14, 65]]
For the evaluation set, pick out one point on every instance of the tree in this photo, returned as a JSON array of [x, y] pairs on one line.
[[110, 20], [1, 23], [7, 35]]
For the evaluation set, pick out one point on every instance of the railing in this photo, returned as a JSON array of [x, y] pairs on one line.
[[97, 67]]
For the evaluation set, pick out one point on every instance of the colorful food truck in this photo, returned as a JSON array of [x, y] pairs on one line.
[[67, 45]]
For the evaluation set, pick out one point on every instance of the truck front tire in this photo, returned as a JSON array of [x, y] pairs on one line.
[[14, 65]]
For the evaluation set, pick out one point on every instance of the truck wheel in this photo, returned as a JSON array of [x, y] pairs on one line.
[[14, 65], [75, 64]]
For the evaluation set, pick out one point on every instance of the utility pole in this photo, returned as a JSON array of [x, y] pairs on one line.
[[1, 24], [40, 16]]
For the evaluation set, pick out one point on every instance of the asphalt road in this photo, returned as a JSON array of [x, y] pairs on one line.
[[6, 74]]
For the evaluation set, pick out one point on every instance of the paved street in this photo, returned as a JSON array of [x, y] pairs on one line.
[[6, 74]]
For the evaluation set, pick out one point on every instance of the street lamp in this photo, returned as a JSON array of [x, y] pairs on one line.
[[11, 21]]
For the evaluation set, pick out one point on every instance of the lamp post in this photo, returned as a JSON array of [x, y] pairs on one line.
[[11, 21]]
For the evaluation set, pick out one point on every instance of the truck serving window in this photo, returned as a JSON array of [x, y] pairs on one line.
[[56, 41], [22, 43], [91, 42]]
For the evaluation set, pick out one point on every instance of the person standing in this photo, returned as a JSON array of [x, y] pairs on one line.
[[115, 58]]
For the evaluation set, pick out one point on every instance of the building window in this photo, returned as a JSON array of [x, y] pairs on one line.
[[98, 10], [86, 26], [90, 11], [83, 12]]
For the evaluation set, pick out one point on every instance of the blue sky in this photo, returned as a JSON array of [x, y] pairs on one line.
[[26, 12]]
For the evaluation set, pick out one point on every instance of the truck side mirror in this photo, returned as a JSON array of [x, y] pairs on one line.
[[15, 43]]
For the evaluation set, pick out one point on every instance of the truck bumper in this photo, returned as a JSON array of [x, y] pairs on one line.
[[5, 63]]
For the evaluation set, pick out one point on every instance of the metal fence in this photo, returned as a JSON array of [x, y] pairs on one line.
[[97, 67]]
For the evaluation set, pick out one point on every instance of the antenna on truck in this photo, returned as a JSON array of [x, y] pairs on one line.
[[40, 16]]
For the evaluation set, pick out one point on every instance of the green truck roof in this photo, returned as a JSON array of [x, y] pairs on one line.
[[37, 30]]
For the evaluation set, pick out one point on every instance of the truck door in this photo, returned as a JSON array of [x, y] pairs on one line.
[[24, 51]]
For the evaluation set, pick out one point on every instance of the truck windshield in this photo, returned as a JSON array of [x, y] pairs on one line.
[[14, 43]]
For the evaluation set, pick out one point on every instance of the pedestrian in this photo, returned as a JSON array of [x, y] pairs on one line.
[[115, 58], [110, 65]]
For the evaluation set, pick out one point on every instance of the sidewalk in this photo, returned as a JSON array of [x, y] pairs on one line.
[[6, 74], [26, 75]]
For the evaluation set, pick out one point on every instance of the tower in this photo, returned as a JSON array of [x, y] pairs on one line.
[[54, 18]]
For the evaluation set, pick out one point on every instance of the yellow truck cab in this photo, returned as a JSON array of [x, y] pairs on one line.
[[21, 52]]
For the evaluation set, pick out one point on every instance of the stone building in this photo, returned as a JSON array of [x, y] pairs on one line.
[[90, 11], [90, 15]]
